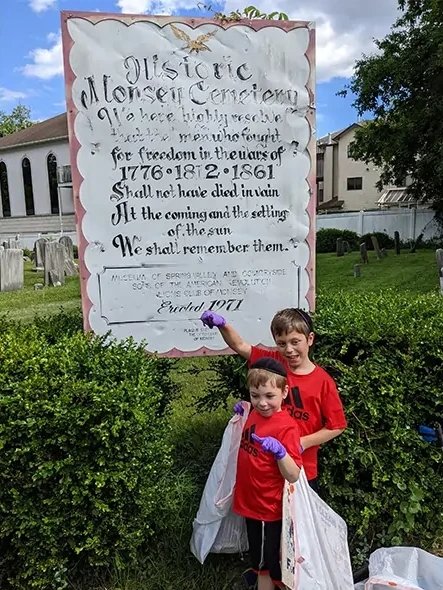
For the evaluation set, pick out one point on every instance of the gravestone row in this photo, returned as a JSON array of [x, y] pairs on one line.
[[56, 259]]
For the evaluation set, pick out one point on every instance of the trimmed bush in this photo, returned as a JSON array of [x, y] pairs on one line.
[[384, 241], [83, 458], [327, 239], [386, 353]]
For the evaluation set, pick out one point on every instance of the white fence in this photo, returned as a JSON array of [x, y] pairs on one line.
[[408, 222]]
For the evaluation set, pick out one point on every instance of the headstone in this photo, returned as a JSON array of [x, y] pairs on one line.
[[357, 271], [54, 279], [374, 241], [11, 269], [340, 251], [364, 253], [346, 246], [439, 256], [39, 252], [383, 252], [70, 268], [67, 242], [11, 243], [54, 263], [397, 242], [416, 243]]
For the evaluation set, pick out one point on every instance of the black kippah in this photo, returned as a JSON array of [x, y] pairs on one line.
[[269, 364], [306, 318]]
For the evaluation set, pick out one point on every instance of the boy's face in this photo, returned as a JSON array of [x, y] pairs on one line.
[[294, 346], [267, 399]]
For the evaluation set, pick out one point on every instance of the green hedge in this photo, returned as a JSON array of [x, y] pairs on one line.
[[84, 453], [386, 353], [327, 240]]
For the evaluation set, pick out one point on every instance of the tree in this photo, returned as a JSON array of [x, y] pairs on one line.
[[402, 88], [19, 118]]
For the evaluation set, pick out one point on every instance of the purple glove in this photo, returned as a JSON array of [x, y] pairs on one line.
[[211, 319], [239, 409], [271, 445]]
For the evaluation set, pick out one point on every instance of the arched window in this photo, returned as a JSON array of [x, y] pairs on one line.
[[51, 162], [4, 190], [27, 185]]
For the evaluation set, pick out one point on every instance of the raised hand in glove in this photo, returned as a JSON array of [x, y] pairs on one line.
[[211, 319]]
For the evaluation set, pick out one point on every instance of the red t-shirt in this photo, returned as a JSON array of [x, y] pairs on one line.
[[259, 484], [313, 401]]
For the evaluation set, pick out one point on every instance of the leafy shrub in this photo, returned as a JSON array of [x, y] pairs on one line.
[[432, 244], [384, 241], [58, 325], [327, 239], [65, 323], [386, 353], [83, 455]]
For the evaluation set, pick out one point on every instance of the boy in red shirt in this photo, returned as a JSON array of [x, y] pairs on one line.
[[313, 399], [269, 453]]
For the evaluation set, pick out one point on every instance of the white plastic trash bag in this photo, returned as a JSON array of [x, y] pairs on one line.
[[315, 553], [404, 568], [232, 536], [215, 528]]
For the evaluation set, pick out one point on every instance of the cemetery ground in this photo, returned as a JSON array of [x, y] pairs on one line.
[[195, 430], [415, 273]]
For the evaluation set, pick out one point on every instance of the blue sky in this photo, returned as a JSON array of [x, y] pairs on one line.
[[30, 45]]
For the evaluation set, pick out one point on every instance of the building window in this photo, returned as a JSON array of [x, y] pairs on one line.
[[27, 185], [348, 150], [51, 162], [355, 183], [320, 195], [4, 190], [320, 164]]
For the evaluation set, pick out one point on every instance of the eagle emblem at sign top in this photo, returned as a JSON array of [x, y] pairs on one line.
[[193, 45]]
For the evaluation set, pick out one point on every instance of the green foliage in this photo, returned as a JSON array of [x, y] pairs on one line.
[[84, 453], [326, 239], [58, 325], [17, 119], [386, 354], [228, 382], [385, 351], [250, 12], [384, 241], [400, 86]]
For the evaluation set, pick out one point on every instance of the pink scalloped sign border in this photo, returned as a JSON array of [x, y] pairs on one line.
[[77, 179]]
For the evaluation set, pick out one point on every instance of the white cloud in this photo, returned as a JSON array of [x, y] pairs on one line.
[[41, 5], [8, 95], [46, 63], [155, 6], [345, 29]]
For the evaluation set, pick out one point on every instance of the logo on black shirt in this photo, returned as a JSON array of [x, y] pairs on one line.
[[295, 405], [247, 442]]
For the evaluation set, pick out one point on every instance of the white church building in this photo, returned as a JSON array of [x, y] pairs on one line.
[[33, 200]]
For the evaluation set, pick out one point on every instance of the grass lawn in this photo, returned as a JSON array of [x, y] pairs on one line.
[[28, 302], [416, 273]]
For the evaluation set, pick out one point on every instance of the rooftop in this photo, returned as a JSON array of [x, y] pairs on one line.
[[49, 130]]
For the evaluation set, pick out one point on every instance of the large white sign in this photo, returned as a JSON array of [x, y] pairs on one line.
[[192, 146]]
